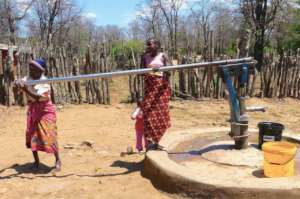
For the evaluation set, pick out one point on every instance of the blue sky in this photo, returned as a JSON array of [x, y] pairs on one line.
[[117, 12], [113, 12]]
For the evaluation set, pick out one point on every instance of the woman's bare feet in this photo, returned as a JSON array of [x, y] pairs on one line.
[[35, 166]]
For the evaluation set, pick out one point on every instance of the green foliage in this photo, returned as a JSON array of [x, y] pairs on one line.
[[136, 45], [117, 49], [231, 49], [291, 31], [268, 48], [182, 51], [293, 37], [122, 48], [122, 51]]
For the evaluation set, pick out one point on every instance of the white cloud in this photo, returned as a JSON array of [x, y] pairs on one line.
[[90, 15], [144, 9], [22, 5]]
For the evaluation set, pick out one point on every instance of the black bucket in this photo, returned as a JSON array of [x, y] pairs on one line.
[[269, 131]]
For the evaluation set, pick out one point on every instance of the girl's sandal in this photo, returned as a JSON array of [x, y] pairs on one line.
[[141, 152], [160, 148], [156, 147], [57, 166]]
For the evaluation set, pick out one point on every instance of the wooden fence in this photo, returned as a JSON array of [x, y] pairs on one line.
[[280, 77]]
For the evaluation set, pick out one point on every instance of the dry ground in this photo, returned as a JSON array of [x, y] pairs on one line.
[[100, 172]]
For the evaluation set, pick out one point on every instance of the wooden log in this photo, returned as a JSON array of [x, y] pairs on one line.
[[182, 81], [63, 72], [75, 71], [106, 81]]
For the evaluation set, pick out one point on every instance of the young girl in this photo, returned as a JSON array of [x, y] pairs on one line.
[[41, 115], [137, 115]]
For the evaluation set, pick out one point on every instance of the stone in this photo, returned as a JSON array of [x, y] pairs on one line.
[[87, 143], [129, 150], [69, 146]]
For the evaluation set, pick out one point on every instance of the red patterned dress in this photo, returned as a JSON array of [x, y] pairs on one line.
[[155, 104], [41, 132]]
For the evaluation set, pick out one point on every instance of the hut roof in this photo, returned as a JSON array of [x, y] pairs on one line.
[[6, 47]]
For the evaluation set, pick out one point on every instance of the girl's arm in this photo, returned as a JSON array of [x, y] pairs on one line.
[[135, 113]]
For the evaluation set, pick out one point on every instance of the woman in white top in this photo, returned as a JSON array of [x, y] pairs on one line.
[[41, 130]]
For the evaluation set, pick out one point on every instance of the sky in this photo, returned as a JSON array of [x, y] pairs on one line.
[[113, 12], [116, 12]]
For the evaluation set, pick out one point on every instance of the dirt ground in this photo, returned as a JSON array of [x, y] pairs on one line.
[[99, 171]]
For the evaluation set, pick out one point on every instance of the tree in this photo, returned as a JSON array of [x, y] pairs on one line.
[[11, 12], [136, 30], [51, 17], [202, 14], [287, 32], [260, 14], [150, 16], [170, 10], [226, 25]]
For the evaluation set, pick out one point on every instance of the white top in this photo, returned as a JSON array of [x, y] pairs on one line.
[[39, 89], [135, 113], [157, 61]]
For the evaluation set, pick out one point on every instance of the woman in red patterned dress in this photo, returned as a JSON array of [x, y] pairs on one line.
[[41, 133], [155, 104]]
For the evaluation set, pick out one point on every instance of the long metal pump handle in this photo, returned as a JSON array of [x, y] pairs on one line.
[[248, 60]]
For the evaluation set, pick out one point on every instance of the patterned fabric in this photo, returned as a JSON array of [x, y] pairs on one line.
[[41, 127], [155, 107]]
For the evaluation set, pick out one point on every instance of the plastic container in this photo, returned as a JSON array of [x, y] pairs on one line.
[[269, 131], [279, 159]]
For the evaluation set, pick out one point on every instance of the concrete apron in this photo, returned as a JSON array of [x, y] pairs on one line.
[[206, 179]]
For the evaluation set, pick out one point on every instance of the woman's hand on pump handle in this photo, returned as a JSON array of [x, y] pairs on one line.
[[19, 84], [155, 68]]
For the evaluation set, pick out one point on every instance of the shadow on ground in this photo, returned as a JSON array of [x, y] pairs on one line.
[[21, 171]]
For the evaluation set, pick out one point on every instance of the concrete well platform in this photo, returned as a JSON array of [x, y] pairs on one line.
[[201, 163]]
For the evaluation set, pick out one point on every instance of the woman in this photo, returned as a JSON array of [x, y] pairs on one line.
[[155, 104], [41, 116]]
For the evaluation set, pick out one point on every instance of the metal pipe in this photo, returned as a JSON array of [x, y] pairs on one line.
[[256, 108], [248, 60], [234, 66]]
